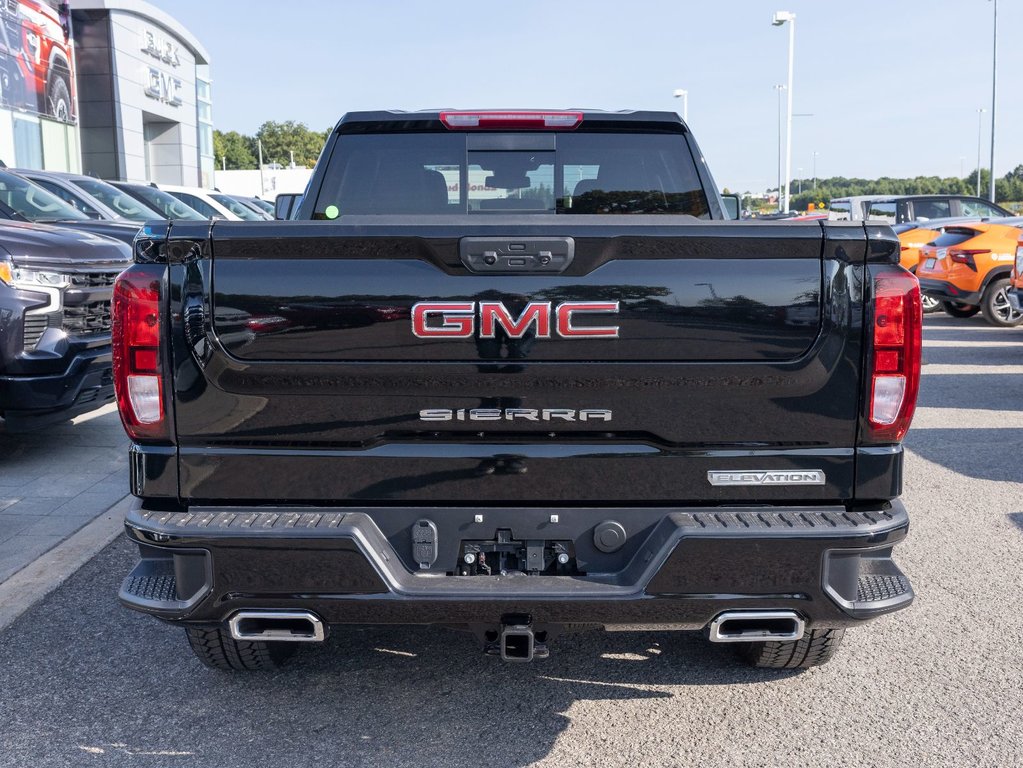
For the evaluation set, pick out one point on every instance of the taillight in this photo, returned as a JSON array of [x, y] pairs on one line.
[[138, 367], [965, 256], [894, 379], [564, 121]]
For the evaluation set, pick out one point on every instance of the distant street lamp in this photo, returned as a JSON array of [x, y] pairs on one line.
[[815, 171], [980, 126], [799, 180], [684, 95], [779, 89], [780, 18], [994, 86]]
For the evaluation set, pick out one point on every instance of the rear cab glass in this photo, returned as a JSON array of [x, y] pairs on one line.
[[575, 173], [924, 210], [840, 210], [882, 211]]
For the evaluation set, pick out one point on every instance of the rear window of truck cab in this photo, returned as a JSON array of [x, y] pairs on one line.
[[577, 173], [840, 210], [882, 212]]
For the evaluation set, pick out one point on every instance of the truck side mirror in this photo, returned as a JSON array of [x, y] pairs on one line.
[[285, 205], [732, 205]]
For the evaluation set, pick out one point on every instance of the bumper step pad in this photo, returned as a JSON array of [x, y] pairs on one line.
[[155, 587], [875, 588], [154, 584]]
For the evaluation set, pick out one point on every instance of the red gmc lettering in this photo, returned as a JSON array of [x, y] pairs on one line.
[[457, 319], [569, 308], [494, 313]]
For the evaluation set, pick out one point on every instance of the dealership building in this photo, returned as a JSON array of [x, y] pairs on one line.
[[141, 104]]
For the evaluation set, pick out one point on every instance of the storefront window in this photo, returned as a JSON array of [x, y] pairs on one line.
[[205, 139], [28, 144]]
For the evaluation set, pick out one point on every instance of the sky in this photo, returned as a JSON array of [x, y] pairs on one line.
[[887, 88]]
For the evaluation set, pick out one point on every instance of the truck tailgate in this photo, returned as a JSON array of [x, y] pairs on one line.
[[733, 373]]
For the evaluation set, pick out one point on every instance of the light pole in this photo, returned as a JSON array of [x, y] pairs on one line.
[[779, 89], [780, 18], [815, 171], [799, 181], [994, 84], [980, 126], [684, 95]]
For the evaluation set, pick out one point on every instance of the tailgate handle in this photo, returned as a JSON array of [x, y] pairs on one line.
[[522, 255]]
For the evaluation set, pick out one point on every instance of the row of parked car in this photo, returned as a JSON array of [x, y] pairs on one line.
[[49, 196], [966, 251], [63, 239], [967, 266]]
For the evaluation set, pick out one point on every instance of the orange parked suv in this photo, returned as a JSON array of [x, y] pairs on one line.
[[968, 267], [913, 236]]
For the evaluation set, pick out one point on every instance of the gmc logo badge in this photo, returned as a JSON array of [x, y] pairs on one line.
[[457, 320]]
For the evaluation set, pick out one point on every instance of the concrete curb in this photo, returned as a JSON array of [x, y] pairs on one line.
[[35, 581]]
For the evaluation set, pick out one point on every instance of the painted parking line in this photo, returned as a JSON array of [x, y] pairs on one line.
[[968, 369], [973, 344], [965, 418], [32, 583], [109, 408]]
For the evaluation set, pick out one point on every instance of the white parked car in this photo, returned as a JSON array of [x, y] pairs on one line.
[[212, 204]]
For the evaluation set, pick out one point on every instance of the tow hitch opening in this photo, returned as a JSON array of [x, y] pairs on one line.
[[517, 643], [516, 638]]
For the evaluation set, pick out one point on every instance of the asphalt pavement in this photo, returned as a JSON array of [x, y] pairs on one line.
[[84, 682]]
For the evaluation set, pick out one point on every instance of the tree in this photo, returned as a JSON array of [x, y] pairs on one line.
[[280, 140], [233, 151]]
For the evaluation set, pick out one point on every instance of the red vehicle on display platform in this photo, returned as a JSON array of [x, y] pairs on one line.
[[35, 58]]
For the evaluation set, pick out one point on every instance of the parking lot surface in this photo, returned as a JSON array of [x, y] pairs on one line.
[[55, 480], [87, 683]]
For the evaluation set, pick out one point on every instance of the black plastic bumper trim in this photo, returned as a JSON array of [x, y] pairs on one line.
[[941, 290], [326, 559]]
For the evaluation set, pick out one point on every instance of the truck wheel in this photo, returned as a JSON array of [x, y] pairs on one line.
[[955, 309], [217, 649], [816, 647], [995, 305], [58, 96]]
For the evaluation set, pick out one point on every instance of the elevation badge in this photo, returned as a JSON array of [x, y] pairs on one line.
[[766, 477]]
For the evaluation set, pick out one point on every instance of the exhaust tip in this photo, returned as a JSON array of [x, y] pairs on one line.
[[754, 626], [277, 626]]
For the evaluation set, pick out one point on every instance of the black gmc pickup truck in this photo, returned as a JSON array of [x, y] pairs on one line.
[[512, 372]]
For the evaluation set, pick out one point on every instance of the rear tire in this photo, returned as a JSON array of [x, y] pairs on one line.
[[58, 97], [929, 304], [816, 647], [995, 305], [955, 309], [217, 649]]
